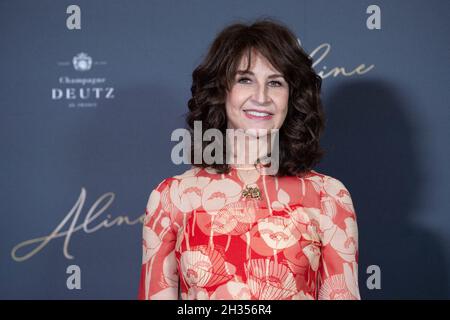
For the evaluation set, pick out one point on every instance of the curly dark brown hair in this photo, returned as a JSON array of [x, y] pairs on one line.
[[299, 149]]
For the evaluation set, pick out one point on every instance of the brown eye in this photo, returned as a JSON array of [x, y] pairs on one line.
[[276, 83], [242, 80]]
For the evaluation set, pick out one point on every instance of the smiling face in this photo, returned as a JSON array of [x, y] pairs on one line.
[[258, 99]]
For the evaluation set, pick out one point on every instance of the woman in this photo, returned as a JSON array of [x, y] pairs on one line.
[[228, 230]]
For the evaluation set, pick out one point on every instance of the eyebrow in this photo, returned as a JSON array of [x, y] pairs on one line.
[[242, 72]]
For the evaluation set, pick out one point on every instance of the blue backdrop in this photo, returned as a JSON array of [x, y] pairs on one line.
[[86, 117]]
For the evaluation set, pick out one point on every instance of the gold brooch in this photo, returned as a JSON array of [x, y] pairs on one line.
[[252, 192]]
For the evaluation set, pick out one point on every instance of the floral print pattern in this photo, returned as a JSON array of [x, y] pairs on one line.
[[203, 240]]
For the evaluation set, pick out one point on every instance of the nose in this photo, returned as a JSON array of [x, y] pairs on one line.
[[261, 95]]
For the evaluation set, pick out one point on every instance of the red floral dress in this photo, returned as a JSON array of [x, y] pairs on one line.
[[299, 240]]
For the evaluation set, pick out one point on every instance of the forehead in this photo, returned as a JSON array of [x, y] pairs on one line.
[[258, 61]]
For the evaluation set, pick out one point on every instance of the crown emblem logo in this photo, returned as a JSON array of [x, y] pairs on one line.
[[82, 62]]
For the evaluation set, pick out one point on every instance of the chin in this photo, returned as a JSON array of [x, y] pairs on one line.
[[258, 131]]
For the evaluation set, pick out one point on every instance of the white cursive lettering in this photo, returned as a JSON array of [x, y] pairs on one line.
[[87, 226]]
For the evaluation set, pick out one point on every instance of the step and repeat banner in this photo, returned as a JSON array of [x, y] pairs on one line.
[[90, 92]]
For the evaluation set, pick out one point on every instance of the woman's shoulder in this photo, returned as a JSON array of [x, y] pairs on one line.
[[333, 191], [189, 173], [325, 181]]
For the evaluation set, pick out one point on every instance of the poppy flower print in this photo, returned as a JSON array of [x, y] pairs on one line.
[[202, 239]]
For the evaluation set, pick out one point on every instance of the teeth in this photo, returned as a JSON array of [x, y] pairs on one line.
[[258, 114]]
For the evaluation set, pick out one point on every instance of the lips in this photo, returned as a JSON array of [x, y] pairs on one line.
[[258, 111], [258, 114]]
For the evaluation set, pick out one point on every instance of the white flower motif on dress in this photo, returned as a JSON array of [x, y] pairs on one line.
[[170, 270], [219, 193], [248, 177], [196, 268], [269, 280], [203, 266], [335, 288], [305, 221], [338, 193], [186, 195], [312, 252], [150, 244], [283, 200], [277, 205], [326, 228], [283, 197], [278, 232], [351, 279], [345, 242], [235, 218], [152, 205], [301, 295], [316, 182], [232, 290], [222, 223]]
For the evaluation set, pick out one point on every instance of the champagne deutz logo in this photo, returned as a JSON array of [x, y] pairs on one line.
[[82, 62], [85, 90]]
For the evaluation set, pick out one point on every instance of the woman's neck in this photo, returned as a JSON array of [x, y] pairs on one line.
[[247, 151]]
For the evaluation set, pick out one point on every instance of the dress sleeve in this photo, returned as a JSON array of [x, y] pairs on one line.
[[338, 268], [159, 272]]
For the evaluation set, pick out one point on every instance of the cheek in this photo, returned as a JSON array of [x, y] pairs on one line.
[[235, 100]]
